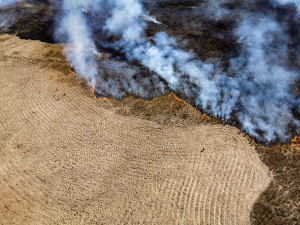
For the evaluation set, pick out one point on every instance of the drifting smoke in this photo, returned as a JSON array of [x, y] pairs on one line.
[[74, 29], [266, 99], [113, 78], [255, 90], [6, 19], [4, 3], [150, 18], [260, 95], [163, 57]]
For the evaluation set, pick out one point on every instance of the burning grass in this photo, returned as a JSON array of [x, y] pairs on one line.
[[213, 41]]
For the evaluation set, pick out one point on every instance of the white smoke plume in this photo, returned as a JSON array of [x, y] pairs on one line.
[[259, 93], [4, 3], [266, 98], [150, 18], [74, 27], [163, 57], [125, 20]]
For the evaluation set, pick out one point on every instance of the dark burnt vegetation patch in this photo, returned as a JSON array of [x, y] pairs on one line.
[[280, 203], [34, 20], [176, 4], [209, 37], [212, 39], [115, 80]]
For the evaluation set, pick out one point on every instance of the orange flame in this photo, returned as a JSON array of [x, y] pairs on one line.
[[72, 70], [194, 108], [93, 90], [282, 146]]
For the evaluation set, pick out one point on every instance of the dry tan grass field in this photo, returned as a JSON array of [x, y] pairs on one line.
[[66, 158]]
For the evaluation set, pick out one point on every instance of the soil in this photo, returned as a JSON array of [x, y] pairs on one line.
[[67, 158]]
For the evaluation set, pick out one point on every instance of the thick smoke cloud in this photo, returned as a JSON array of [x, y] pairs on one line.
[[256, 89], [258, 92], [266, 97], [110, 78], [163, 57], [74, 28]]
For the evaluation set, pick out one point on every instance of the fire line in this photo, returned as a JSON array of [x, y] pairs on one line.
[[194, 108]]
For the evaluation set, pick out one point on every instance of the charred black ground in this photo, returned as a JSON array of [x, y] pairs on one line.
[[279, 204], [34, 20], [196, 25]]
